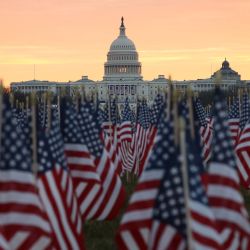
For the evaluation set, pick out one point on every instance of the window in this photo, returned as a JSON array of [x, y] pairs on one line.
[[111, 89], [117, 89], [122, 90], [126, 90], [133, 90]]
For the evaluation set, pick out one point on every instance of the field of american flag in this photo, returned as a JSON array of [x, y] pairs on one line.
[[173, 175], [101, 235]]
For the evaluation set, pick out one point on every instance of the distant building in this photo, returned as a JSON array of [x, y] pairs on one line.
[[123, 77], [226, 72]]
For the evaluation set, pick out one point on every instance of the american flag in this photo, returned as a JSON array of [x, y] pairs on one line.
[[56, 190], [110, 119], [170, 220], [125, 133], [156, 109], [135, 225], [205, 130], [115, 117], [22, 217], [107, 126], [155, 114], [111, 137], [245, 111], [113, 142], [86, 180], [140, 144], [223, 183], [234, 120], [243, 143], [112, 197], [243, 155]]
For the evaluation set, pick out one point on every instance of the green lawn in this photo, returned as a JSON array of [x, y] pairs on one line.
[[100, 235]]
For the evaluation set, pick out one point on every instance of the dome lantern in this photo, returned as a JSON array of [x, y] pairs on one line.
[[122, 28], [225, 64]]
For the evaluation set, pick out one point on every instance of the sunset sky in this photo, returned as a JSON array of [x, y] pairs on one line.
[[66, 39]]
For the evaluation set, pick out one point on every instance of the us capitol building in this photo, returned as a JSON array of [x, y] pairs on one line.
[[122, 77]]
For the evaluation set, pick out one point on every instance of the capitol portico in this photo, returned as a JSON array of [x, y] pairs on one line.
[[123, 77]]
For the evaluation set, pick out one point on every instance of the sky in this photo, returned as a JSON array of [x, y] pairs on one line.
[[65, 39]]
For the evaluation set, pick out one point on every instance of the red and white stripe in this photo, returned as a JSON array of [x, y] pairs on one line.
[[113, 145], [113, 194], [125, 131], [203, 227], [108, 129], [135, 226], [226, 200], [57, 193], [139, 147], [86, 180], [234, 126], [243, 156], [22, 217], [164, 237], [150, 143], [124, 142], [3, 242], [206, 138], [126, 156]]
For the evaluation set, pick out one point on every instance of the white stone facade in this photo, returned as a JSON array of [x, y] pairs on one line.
[[122, 77]]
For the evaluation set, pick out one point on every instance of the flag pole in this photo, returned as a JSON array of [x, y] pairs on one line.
[[136, 141], [110, 127], [169, 100], [1, 110], [11, 97], [27, 103], [44, 107], [83, 97], [59, 107], [176, 123], [34, 134], [191, 113], [49, 111], [184, 168]]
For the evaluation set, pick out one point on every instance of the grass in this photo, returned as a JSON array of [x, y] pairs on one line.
[[246, 195], [101, 234]]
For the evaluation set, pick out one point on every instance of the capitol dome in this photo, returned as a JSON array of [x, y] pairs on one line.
[[122, 58], [122, 43]]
